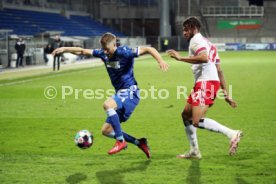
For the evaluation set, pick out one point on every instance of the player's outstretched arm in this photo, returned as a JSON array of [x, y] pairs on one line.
[[155, 54], [200, 58], [229, 100], [73, 50]]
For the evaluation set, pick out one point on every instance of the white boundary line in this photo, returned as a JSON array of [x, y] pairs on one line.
[[57, 75], [45, 77]]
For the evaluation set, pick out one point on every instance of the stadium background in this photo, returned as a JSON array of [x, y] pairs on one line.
[[232, 25], [36, 134]]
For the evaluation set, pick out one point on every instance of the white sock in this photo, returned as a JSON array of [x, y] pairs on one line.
[[110, 112], [187, 131], [192, 136], [212, 125]]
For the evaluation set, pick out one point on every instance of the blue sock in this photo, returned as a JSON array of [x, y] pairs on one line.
[[127, 137], [114, 120], [130, 139]]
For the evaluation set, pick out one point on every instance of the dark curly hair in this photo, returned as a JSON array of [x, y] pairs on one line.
[[192, 23]]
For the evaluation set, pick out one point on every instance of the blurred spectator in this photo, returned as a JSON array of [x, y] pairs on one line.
[[47, 50], [165, 44], [27, 2], [56, 44], [20, 49]]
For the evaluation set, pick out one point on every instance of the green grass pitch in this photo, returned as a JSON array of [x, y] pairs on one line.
[[37, 134]]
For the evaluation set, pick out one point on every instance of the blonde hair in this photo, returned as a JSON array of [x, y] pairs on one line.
[[107, 38]]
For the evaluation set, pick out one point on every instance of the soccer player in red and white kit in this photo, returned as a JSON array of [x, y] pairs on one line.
[[208, 79]]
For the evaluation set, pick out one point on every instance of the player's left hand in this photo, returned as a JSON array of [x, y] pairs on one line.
[[58, 51], [173, 54], [163, 66], [231, 102]]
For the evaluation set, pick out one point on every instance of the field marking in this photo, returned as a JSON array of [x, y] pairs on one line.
[[57, 75], [45, 77]]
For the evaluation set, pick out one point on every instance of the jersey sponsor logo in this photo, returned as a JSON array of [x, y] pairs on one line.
[[113, 64]]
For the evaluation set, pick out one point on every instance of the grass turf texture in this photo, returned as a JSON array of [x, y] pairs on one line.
[[36, 135]]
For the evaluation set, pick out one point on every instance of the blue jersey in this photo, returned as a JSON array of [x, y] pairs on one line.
[[120, 66]]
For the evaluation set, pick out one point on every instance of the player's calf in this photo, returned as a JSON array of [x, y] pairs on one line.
[[108, 131]]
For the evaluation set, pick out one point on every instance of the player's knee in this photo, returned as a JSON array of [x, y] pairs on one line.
[[106, 106], [185, 116]]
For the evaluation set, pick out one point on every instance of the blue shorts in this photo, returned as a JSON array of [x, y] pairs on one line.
[[126, 100]]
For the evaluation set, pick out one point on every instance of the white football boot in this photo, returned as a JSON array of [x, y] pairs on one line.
[[234, 142], [192, 154]]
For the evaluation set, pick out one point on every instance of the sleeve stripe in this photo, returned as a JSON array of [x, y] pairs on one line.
[[199, 50], [138, 51]]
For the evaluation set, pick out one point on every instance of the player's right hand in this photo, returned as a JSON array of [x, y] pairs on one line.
[[163, 66]]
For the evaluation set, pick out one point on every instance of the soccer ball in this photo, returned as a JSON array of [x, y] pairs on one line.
[[84, 139]]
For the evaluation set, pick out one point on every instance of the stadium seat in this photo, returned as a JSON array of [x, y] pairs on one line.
[[32, 22]]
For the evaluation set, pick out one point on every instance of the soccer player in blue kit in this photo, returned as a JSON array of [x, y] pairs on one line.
[[119, 62]]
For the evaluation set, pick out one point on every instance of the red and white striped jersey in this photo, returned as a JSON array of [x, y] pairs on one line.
[[204, 71]]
